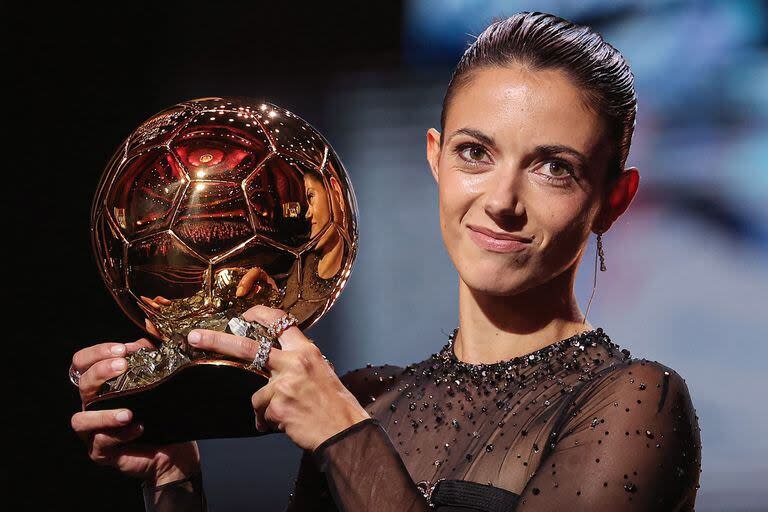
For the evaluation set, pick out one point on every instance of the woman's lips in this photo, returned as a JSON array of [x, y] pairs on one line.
[[491, 243]]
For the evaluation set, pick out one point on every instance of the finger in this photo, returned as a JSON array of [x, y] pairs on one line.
[[151, 329], [224, 343], [108, 439], [236, 346], [85, 422], [149, 302], [246, 283], [260, 401], [290, 339], [273, 421], [138, 344], [163, 301], [92, 380], [87, 357]]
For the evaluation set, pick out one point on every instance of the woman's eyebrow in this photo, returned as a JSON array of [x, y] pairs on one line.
[[477, 134], [554, 149]]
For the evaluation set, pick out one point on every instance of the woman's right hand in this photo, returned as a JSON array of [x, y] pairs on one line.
[[109, 435]]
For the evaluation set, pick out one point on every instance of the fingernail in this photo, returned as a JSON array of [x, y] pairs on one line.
[[118, 364], [118, 350], [123, 416], [194, 337], [239, 291]]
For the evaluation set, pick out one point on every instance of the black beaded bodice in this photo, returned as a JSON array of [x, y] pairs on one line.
[[540, 421], [543, 363]]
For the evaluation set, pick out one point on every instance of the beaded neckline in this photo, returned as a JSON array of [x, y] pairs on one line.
[[579, 340]]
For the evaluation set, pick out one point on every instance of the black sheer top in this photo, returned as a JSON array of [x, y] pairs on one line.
[[576, 425]]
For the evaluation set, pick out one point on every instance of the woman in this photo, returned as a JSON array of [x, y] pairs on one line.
[[527, 407]]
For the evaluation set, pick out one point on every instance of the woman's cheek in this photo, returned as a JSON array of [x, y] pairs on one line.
[[565, 236], [458, 192]]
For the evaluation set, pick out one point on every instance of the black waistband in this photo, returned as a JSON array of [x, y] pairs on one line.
[[463, 495]]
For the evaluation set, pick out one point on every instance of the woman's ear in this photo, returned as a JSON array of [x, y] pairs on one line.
[[336, 186], [433, 151], [618, 199], [337, 199]]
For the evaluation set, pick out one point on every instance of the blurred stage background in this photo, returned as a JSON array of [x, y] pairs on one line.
[[687, 279]]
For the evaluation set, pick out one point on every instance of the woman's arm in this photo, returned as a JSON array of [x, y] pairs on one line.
[[185, 495], [631, 442], [365, 472], [358, 469]]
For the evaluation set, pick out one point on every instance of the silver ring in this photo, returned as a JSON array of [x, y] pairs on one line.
[[255, 331], [265, 345], [74, 376], [277, 327]]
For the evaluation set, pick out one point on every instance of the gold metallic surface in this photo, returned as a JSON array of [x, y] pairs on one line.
[[209, 208]]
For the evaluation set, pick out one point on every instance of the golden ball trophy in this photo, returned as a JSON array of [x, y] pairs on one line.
[[207, 209]]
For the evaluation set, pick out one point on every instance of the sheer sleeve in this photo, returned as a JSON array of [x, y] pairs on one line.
[[358, 469], [365, 472], [185, 495], [310, 491], [629, 441]]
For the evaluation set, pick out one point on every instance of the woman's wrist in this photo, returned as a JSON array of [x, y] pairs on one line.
[[184, 493], [178, 468], [175, 463], [174, 474], [351, 418], [342, 434]]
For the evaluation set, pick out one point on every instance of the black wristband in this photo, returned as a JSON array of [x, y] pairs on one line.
[[185, 494], [194, 476]]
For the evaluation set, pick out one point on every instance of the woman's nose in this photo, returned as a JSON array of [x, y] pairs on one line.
[[503, 198]]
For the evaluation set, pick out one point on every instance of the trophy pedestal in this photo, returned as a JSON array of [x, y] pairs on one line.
[[203, 400]]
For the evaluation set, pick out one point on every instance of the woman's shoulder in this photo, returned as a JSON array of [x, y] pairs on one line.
[[647, 405], [640, 392], [614, 363], [635, 374], [371, 381]]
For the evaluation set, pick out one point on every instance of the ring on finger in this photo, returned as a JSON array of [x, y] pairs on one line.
[[277, 327], [262, 354], [74, 376], [239, 326]]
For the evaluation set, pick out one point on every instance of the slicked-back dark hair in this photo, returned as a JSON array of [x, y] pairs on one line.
[[545, 41]]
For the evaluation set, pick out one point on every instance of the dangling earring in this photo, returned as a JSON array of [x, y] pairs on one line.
[[599, 252]]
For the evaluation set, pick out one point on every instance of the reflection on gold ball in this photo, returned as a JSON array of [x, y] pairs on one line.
[[177, 252]]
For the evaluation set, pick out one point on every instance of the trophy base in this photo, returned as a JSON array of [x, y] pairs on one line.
[[204, 400]]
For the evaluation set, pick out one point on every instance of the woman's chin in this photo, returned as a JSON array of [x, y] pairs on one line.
[[488, 285]]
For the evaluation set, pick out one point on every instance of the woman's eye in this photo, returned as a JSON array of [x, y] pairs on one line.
[[473, 154], [557, 169]]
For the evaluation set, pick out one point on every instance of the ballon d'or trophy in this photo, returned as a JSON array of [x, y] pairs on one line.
[[207, 209]]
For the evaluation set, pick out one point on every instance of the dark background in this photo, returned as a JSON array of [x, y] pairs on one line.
[[687, 264], [82, 79]]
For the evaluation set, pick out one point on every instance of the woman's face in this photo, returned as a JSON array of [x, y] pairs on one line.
[[318, 213], [521, 155]]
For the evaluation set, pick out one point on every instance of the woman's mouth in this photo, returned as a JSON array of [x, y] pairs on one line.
[[497, 242]]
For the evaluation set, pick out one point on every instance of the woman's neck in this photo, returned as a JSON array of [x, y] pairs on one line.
[[331, 254], [497, 328]]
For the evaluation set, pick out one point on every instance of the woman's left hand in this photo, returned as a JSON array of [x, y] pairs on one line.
[[304, 397]]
